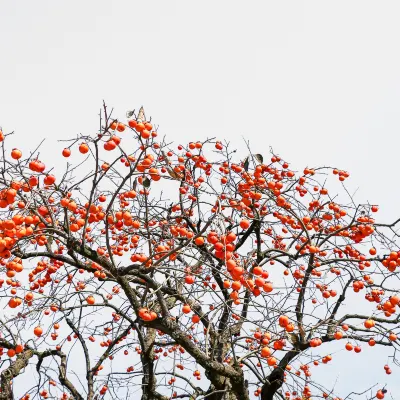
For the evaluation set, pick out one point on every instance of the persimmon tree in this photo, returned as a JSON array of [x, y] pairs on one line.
[[149, 270]]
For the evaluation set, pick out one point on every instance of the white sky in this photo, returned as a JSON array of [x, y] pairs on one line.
[[318, 81]]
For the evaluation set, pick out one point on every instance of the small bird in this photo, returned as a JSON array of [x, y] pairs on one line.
[[293, 338], [171, 172]]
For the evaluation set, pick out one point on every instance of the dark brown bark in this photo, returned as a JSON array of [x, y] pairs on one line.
[[274, 383], [224, 388], [13, 371], [147, 358], [275, 379]]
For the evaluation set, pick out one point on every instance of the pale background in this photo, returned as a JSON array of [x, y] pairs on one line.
[[318, 81]]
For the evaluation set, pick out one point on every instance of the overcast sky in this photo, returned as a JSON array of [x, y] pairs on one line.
[[318, 81]]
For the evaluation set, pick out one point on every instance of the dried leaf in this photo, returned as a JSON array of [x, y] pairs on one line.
[[146, 182], [246, 164], [141, 117], [130, 113], [259, 158], [134, 184]]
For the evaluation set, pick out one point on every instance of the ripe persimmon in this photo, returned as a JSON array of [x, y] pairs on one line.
[[38, 331], [186, 309], [19, 349], [83, 148], [16, 154], [199, 241], [369, 323], [66, 152], [195, 318], [11, 353], [349, 347], [266, 352], [244, 224]]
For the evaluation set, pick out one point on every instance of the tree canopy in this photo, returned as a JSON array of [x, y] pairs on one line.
[[151, 270]]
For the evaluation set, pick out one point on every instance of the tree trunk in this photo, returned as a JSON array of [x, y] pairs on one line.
[[11, 372], [147, 356], [223, 388], [275, 381], [223, 392]]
